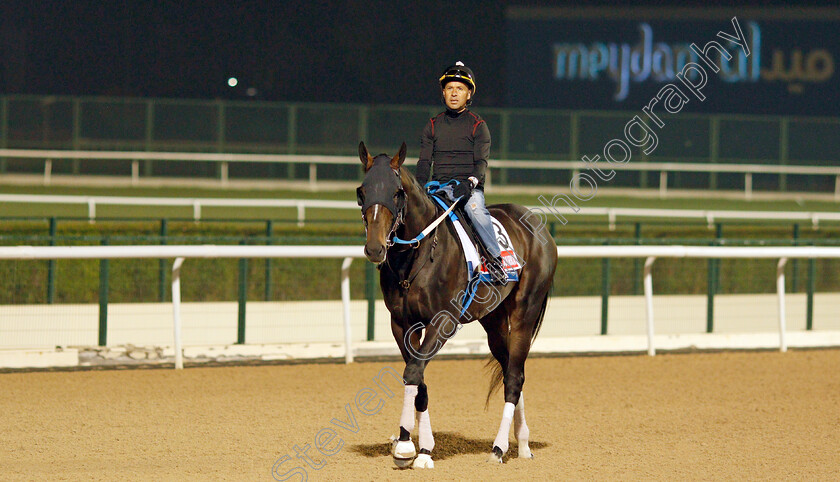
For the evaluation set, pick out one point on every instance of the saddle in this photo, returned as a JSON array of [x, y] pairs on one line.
[[474, 249], [461, 214]]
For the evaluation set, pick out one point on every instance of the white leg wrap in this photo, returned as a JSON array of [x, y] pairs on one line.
[[520, 428], [407, 418], [425, 440], [504, 428]]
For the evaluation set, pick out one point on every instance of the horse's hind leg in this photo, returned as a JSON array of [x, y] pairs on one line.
[[522, 321], [520, 428]]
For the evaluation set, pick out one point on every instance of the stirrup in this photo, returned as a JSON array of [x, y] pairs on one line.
[[496, 270]]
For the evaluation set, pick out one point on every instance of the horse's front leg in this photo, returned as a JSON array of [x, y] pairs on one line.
[[416, 401], [415, 412]]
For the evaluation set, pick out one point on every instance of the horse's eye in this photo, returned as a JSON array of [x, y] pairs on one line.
[[360, 196]]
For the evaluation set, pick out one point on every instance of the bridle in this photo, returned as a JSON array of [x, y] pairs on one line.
[[398, 220]]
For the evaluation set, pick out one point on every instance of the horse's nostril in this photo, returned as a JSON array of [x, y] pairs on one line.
[[376, 253]]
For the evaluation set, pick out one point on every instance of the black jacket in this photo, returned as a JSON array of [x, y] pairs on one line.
[[457, 144]]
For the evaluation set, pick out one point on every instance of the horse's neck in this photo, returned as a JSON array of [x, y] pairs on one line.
[[420, 211]]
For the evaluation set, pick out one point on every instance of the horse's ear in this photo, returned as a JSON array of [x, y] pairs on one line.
[[398, 160], [367, 161]]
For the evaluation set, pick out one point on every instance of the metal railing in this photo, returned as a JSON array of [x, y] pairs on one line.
[[180, 125], [348, 253], [312, 161], [301, 205]]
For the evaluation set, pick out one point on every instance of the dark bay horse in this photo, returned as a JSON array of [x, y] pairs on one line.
[[423, 284]]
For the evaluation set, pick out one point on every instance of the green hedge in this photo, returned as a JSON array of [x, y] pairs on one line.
[[77, 281]]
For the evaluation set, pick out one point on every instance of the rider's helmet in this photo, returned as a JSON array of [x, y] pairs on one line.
[[458, 72]]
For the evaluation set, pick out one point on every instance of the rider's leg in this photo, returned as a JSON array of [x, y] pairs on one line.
[[480, 219], [482, 223]]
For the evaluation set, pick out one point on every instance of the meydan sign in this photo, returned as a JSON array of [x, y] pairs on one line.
[[606, 58], [647, 60]]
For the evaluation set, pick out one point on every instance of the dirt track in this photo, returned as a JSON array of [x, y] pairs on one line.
[[730, 416]]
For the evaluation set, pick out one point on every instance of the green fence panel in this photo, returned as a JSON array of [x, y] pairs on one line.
[[749, 140], [388, 127], [112, 122], [43, 122], [186, 125], [106, 123], [814, 142], [248, 126], [540, 135], [333, 129]]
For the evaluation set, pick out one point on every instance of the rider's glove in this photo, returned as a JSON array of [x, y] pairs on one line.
[[463, 189]]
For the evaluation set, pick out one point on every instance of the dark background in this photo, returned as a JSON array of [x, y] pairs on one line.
[[377, 52]]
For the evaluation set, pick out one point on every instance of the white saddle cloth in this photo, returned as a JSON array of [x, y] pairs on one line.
[[473, 260]]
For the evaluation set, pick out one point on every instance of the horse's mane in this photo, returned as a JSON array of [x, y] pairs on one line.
[[408, 178], [407, 175]]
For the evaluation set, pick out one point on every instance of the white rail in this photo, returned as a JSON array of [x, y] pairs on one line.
[[180, 252], [574, 166], [301, 205], [651, 253], [196, 203]]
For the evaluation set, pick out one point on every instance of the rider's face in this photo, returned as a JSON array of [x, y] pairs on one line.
[[456, 95]]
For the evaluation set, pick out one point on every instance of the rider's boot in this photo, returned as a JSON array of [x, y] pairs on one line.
[[495, 267]]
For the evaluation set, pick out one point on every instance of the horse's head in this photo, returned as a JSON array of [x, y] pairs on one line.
[[382, 199]]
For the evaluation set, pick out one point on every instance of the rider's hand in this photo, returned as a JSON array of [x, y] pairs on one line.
[[463, 189]]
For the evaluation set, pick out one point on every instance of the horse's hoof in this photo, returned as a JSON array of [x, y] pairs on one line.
[[496, 456], [423, 461], [403, 452], [525, 452]]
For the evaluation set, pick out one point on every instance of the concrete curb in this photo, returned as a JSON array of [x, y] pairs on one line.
[[58, 357]]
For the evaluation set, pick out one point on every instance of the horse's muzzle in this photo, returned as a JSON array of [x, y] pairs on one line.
[[375, 252]]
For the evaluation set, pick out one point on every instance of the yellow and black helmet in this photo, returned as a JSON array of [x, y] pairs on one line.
[[458, 72]]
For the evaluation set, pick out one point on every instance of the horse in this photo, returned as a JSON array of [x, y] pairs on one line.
[[423, 282]]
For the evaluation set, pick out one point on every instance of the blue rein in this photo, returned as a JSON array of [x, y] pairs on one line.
[[431, 187]]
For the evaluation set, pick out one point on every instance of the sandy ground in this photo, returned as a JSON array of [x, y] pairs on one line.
[[709, 416]]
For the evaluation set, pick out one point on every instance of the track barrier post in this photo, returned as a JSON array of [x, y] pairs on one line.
[[103, 298], [370, 295], [243, 296], [780, 289], [649, 303], [51, 264], [345, 301], [176, 313], [269, 232], [605, 292], [164, 231]]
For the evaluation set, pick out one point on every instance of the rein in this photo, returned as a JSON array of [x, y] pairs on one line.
[[415, 243], [425, 232]]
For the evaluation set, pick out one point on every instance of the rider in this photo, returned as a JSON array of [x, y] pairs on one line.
[[457, 143]]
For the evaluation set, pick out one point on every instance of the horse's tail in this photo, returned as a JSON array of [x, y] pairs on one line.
[[498, 374], [539, 322], [496, 378]]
